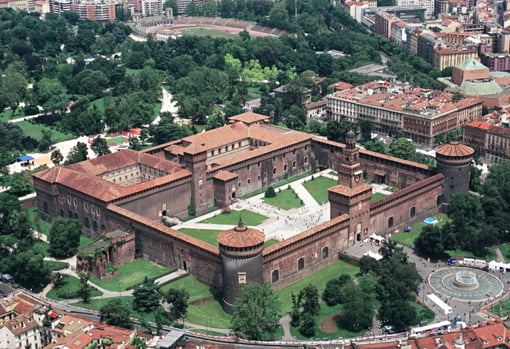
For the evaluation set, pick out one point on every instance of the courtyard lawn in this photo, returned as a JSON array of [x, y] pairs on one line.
[[69, 289], [196, 290], [208, 314], [34, 130], [270, 242], [206, 235], [117, 140], [279, 184], [408, 238], [96, 304], [491, 254], [423, 314], [505, 250], [232, 218], [130, 275], [318, 188], [84, 241], [377, 196], [285, 199], [318, 279]]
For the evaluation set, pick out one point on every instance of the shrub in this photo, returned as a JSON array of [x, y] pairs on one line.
[[270, 193]]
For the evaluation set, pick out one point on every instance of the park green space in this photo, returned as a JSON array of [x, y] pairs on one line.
[[96, 304], [491, 254], [423, 314], [285, 199], [117, 140], [254, 92], [408, 238], [56, 265], [232, 218], [318, 188], [319, 279], [505, 250], [131, 275], [210, 235], [7, 114], [377, 196], [70, 286], [196, 290], [37, 223], [502, 309], [34, 130], [208, 314]]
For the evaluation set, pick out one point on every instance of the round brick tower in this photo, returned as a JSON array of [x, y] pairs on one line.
[[241, 261], [453, 162]]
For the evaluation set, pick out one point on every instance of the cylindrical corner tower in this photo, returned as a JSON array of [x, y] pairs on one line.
[[241, 261], [453, 162]]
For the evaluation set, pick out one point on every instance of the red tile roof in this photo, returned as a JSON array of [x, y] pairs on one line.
[[241, 237], [479, 124], [454, 149], [249, 118]]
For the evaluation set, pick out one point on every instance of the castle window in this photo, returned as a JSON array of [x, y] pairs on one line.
[[241, 276], [87, 222], [390, 222], [61, 213], [265, 175], [412, 212], [294, 164], [94, 225], [69, 214], [239, 184], [285, 167], [325, 252], [274, 170], [275, 275], [249, 180], [306, 159], [45, 206], [301, 264]]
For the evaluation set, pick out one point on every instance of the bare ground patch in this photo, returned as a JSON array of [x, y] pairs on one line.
[[328, 324]]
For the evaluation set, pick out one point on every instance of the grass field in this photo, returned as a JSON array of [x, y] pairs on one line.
[[117, 140], [7, 114], [213, 33], [44, 227], [96, 304], [56, 265], [130, 275], [377, 196], [70, 285], [232, 218], [319, 279], [423, 313], [408, 238], [491, 254], [285, 199], [318, 188], [270, 242], [208, 314], [288, 180], [195, 289], [34, 131], [502, 309]]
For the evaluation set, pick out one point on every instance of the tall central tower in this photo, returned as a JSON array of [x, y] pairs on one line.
[[351, 196]]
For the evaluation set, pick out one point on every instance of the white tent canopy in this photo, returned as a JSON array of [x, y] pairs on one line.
[[376, 237]]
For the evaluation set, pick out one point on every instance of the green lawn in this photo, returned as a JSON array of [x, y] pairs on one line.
[[505, 250], [423, 313], [70, 285], [377, 196], [285, 199], [254, 92], [117, 140], [318, 188], [270, 242], [319, 279], [84, 241], [408, 238], [96, 304], [502, 309], [56, 265], [491, 255], [208, 314], [130, 275], [232, 218], [206, 235], [195, 289], [279, 184], [7, 114], [34, 130]]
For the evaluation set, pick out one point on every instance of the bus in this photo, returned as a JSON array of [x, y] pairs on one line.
[[431, 328]]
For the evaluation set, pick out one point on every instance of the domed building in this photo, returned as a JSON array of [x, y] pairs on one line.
[[241, 261]]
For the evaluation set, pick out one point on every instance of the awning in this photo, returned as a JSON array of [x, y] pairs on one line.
[[380, 173], [24, 158]]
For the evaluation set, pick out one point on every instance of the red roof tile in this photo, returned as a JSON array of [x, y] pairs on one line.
[[454, 149]]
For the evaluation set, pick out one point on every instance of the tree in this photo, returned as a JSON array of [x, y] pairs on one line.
[[45, 142], [13, 87], [366, 127], [256, 313], [178, 298], [29, 270], [399, 313], [368, 264], [337, 130], [56, 157], [403, 148], [310, 297], [434, 241], [46, 88], [100, 146], [64, 237], [85, 289], [78, 153], [308, 326], [116, 313], [146, 297]]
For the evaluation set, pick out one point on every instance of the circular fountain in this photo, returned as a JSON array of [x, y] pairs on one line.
[[465, 279]]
